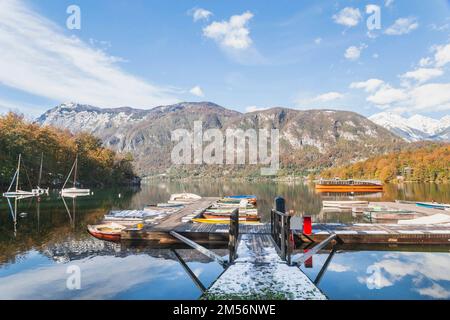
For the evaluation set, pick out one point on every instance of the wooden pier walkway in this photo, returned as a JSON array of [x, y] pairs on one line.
[[260, 273]]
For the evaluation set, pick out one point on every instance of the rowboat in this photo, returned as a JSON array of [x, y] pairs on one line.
[[338, 185], [227, 218], [434, 205], [344, 203], [170, 205], [109, 231], [240, 197], [133, 217], [391, 215], [230, 211], [184, 197], [220, 221]]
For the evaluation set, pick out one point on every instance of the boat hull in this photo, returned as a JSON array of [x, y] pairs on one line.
[[226, 221], [227, 218], [437, 206], [103, 232]]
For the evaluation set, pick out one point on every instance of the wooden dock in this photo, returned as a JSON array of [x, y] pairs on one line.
[[260, 273], [259, 264], [217, 234], [362, 233]]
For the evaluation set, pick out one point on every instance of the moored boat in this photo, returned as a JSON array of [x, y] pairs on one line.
[[183, 198], [345, 203], [74, 191], [220, 221], [109, 231], [391, 214], [133, 217], [17, 193], [434, 205], [338, 185], [227, 218]]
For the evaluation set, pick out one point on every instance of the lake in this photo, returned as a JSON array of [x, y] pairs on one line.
[[48, 243]]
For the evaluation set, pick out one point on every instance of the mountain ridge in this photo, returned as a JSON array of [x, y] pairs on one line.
[[415, 128], [309, 139]]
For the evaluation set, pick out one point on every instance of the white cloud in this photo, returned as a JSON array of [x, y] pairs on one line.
[[254, 109], [423, 74], [425, 62], [200, 14], [327, 97], [197, 91], [435, 292], [402, 26], [336, 267], [318, 40], [232, 34], [38, 58], [348, 16], [387, 95], [442, 56], [431, 97], [370, 85], [388, 3], [353, 52]]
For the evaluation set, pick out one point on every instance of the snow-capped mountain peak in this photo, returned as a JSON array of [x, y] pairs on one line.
[[414, 128]]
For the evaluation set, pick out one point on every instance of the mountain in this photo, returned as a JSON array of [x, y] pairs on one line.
[[415, 128], [309, 140]]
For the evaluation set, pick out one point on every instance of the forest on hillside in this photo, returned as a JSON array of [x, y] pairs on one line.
[[97, 165], [430, 163]]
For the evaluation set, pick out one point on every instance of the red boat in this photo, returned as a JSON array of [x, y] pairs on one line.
[[108, 232]]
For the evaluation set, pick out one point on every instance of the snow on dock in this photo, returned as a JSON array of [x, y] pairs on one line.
[[260, 273]]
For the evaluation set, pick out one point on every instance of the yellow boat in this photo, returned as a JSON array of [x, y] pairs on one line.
[[221, 221]]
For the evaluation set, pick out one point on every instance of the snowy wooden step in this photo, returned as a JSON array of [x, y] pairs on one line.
[[259, 273]]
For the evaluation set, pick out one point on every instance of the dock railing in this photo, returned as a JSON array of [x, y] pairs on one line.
[[280, 225], [233, 235]]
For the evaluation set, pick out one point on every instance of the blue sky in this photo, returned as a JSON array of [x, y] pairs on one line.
[[244, 55]]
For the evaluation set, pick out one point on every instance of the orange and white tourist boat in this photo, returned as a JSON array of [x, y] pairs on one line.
[[338, 185]]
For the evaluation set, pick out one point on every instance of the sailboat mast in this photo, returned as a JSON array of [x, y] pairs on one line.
[[40, 170], [18, 173], [75, 173]]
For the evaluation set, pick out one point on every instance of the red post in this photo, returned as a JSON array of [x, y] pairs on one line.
[[307, 225]]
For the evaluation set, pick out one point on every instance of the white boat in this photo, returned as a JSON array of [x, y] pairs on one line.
[[338, 204], [184, 198], [17, 193], [74, 191]]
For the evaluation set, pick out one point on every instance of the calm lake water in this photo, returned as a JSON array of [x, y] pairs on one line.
[[48, 243]]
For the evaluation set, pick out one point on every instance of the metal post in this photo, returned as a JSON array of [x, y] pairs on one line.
[[280, 204], [280, 207], [233, 235], [288, 240]]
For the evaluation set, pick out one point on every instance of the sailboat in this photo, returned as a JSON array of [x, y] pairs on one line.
[[39, 191], [17, 193], [74, 191]]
